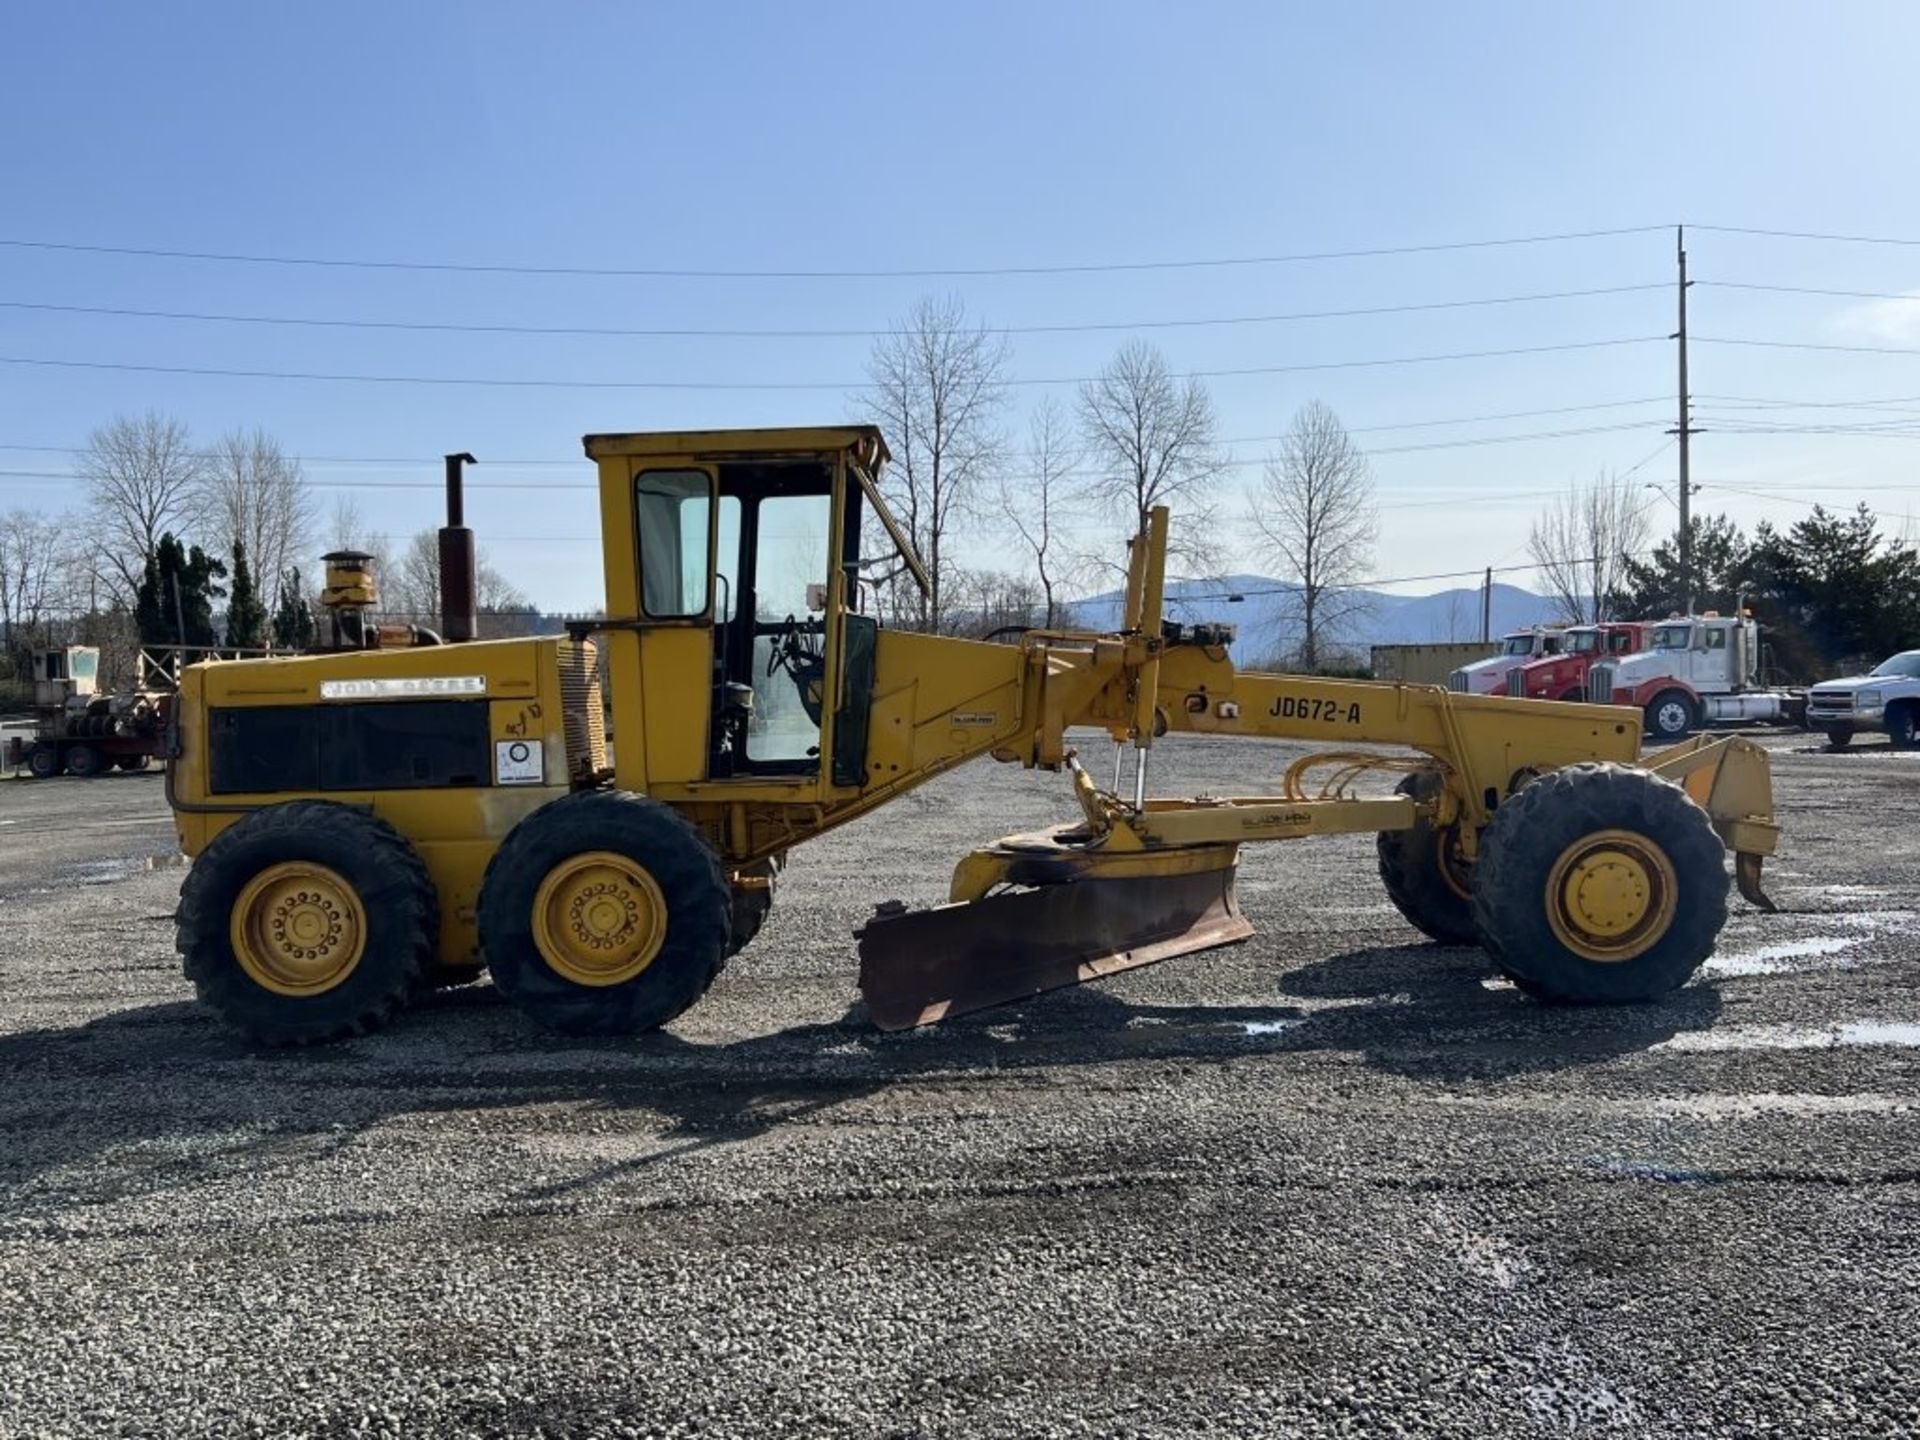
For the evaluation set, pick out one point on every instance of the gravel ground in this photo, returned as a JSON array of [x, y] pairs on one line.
[[1332, 1181]]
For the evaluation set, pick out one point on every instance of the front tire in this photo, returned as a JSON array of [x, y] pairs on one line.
[[1670, 715], [1903, 725], [605, 913], [1839, 739], [1425, 878], [307, 921], [44, 762], [1600, 884]]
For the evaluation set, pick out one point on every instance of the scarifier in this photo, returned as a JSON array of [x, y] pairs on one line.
[[396, 813]]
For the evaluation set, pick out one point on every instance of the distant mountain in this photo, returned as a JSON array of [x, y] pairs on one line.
[[1265, 613]]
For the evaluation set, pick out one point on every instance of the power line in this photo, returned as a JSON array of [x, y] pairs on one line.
[[1805, 235], [805, 334], [1806, 345], [483, 484], [1807, 290], [841, 386], [436, 461], [926, 273]]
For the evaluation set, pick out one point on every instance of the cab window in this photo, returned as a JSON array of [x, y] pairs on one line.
[[673, 513], [1716, 639], [1672, 637]]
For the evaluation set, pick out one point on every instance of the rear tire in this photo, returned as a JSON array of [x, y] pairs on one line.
[[1422, 880], [605, 913], [44, 762], [1670, 715], [1903, 725], [279, 992], [84, 761], [1600, 884], [1839, 739]]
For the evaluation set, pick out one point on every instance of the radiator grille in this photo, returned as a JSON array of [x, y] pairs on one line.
[[583, 709], [1600, 684], [1516, 684], [1457, 682]]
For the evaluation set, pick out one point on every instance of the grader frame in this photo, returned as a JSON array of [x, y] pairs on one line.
[[604, 892]]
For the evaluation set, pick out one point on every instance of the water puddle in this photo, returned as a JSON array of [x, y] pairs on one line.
[[125, 867], [1904, 1034], [1784, 957]]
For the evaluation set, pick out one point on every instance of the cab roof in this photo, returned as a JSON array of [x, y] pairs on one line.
[[864, 440]]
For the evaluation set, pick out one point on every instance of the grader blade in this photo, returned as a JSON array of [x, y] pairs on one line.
[[918, 967]]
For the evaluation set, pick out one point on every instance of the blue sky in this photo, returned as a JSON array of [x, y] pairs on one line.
[[854, 137]]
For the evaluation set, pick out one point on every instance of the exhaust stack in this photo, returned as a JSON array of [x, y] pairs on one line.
[[458, 598]]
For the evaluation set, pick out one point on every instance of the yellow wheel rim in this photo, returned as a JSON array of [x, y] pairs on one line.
[[298, 928], [1611, 895], [599, 918], [1454, 869]]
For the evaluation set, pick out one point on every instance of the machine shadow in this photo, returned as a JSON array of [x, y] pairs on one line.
[[164, 1097]]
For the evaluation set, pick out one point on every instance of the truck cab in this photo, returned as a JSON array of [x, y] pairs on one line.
[[1887, 698], [1696, 670], [1489, 676], [1564, 676]]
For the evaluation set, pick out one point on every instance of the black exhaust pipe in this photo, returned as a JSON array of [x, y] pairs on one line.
[[459, 600]]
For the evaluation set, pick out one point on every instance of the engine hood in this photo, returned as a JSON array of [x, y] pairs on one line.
[[1851, 683]]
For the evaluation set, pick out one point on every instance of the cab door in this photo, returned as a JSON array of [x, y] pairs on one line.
[[660, 532]]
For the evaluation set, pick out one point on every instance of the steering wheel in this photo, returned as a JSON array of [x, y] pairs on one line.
[[789, 652]]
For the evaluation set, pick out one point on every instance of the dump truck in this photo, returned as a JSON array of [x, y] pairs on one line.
[[1564, 676], [80, 729], [371, 821]]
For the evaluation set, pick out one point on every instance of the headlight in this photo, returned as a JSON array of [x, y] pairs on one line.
[[1868, 699]]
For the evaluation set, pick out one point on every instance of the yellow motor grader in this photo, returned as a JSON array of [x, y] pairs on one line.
[[398, 812]]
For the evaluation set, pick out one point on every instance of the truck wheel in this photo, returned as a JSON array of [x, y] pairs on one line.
[[1839, 738], [1600, 884], [134, 762], [84, 761], [1670, 715], [605, 913], [307, 921], [1424, 876], [1903, 725], [44, 762]]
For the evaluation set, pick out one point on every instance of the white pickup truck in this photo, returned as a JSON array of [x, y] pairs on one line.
[[1888, 699]]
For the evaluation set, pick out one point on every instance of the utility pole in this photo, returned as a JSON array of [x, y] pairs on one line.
[[1486, 608], [1684, 430], [1597, 616]]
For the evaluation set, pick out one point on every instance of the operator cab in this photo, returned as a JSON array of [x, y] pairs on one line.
[[739, 555]]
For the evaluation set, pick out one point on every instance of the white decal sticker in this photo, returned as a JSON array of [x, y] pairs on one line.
[[519, 762], [976, 717]]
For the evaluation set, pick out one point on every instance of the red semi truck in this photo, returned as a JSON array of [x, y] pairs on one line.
[[1564, 676], [1696, 670]]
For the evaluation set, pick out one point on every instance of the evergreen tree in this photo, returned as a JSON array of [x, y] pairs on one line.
[[246, 616], [181, 593], [293, 624]]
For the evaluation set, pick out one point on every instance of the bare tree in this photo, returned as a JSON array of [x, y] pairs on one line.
[[1313, 508], [1581, 543], [410, 591], [937, 387], [1152, 440], [31, 572], [1033, 506], [253, 492], [142, 476]]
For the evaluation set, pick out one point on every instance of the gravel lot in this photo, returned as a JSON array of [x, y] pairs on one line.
[[1333, 1181]]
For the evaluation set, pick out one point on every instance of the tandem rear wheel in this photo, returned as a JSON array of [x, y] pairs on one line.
[[1600, 884], [1426, 875], [307, 921], [605, 913]]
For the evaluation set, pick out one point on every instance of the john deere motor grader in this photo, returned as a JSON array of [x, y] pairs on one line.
[[394, 814]]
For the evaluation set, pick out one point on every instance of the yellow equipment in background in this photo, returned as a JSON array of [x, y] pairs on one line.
[[369, 821]]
